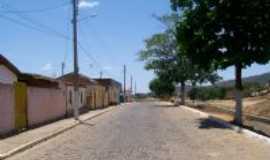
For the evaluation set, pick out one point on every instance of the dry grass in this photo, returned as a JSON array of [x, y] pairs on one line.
[[259, 106]]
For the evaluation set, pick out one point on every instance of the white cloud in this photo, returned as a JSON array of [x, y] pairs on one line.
[[47, 67], [88, 4]]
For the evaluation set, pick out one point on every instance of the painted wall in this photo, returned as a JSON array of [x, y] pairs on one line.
[[100, 90], [90, 98], [7, 122], [70, 97], [45, 105], [114, 95], [6, 76]]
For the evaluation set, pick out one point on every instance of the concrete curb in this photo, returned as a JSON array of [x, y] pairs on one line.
[[52, 135], [235, 128]]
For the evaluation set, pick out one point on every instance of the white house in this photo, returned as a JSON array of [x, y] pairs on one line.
[[67, 82], [8, 72]]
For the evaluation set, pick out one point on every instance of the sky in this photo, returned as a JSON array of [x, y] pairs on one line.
[[35, 36]]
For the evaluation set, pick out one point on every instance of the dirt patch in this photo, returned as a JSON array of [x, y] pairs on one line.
[[259, 106]]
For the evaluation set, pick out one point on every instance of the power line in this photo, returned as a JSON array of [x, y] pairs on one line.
[[39, 25], [102, 41], [89, 55], [67, 31], [92, 58], [13, 20], [52, 33], [37, 10], [21, 23], [98, 65]]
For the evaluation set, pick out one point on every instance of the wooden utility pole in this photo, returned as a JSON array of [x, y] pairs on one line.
[[76, 67], [100, 74], [135, 88], [131, 85], [125, 72], [63, 68]]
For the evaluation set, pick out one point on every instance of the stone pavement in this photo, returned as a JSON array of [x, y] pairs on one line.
[[11, 143], [149, 131]]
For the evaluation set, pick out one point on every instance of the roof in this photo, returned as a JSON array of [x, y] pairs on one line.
[[83, 80], [109, 82], [9, 65], [38, 80], [29, 78]]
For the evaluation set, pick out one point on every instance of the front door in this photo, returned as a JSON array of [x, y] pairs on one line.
[[20, 105]]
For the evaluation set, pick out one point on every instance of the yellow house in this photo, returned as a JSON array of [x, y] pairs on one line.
[[112, 89], [100, 95]]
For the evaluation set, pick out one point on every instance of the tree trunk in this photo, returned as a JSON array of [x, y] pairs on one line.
[[194, 85], [183, 93], [238, 95]]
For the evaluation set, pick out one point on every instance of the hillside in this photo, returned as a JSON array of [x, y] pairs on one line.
[[260, 79]]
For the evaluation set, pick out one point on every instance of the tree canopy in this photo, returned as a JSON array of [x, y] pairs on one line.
[[222, 33], [225, 32], [162, 87], [164, 55]]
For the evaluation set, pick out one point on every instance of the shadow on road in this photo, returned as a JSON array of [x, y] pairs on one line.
[[166, 106], [206, 123], [86, 123]]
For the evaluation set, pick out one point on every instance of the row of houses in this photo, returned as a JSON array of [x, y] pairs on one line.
[[29, 100]]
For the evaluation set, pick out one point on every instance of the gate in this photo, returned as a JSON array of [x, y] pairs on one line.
[[20, 105]]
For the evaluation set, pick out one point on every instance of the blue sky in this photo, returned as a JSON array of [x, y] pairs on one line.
[[113, 37]]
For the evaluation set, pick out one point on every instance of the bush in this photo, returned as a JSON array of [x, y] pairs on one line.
[[207, 93]]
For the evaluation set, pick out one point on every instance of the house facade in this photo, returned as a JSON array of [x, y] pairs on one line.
[[86, 87], [27, 100], [8, 72], [113, 89]]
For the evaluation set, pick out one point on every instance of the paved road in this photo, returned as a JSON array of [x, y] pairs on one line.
[[149, 131]]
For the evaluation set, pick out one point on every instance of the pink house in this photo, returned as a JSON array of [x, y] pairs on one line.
[[27, 100]]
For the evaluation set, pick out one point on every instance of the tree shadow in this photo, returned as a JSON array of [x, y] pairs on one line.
[[167, 106], [206, 123]]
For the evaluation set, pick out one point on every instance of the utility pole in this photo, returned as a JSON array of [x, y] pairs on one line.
[[125, 72], [131, 85], [76, 67], [63, 68], [135, 89], [101, 74]]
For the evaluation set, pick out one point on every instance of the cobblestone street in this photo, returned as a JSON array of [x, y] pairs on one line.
[[149, 131]]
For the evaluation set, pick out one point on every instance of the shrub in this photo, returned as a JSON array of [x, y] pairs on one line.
[[207, 93]]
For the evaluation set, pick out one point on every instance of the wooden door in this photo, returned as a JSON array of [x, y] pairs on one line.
[[20, 105]]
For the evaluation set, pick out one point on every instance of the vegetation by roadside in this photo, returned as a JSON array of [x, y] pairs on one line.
[[254, 118]]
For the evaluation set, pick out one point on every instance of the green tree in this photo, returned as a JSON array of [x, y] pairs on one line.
[[161, 55], [165, 56], [225, 33], [161, 87]]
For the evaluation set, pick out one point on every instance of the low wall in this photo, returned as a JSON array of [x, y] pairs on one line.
[[45, 105], [7, 120]]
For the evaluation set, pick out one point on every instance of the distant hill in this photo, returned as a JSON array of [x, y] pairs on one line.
[[260, 79]]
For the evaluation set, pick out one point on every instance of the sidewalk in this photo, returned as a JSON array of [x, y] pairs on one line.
[[22, 141]]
